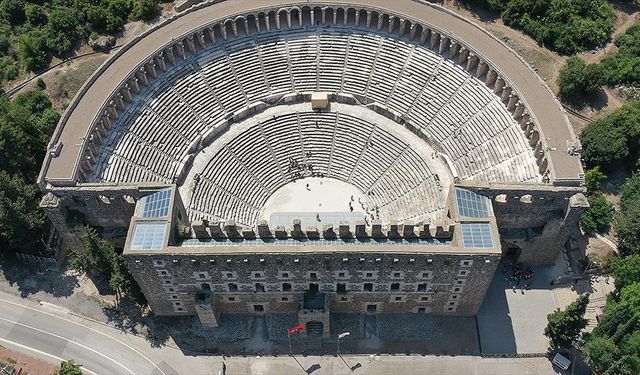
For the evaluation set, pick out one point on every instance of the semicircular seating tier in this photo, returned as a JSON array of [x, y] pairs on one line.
[[152, 139], [243, 173]]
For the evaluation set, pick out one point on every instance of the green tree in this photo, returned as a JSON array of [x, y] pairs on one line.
[[631, 344], [22, 223], [93, 257], [593, 180], [628, 229], [567, 26], [626, 271], [69, 368], [598, 217], [33, 51], [601, 353], [63, 29], [630, 191], [36, 15], [578, 80], [564, 327], [603, 144], [12, 11], [98, 257], [627, 365], [145, 10]]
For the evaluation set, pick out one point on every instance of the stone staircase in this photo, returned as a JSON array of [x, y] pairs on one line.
[[563, 296], [590, 313]]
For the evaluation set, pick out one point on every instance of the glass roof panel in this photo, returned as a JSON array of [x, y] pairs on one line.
[[148, 235], [477, 235], [471, 204], [157, 204]]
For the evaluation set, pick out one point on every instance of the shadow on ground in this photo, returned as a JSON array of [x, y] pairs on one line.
[[31, 278]]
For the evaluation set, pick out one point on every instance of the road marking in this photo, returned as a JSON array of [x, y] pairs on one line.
[[84, 369], [89, 328], [71, 341]]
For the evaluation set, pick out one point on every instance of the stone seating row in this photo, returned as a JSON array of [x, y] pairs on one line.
[[251, 166], [434, 93]]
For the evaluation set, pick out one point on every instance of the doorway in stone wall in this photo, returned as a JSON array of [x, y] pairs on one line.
[[314, 328]]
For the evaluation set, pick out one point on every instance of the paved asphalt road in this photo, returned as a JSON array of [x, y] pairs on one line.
[[52, 334]]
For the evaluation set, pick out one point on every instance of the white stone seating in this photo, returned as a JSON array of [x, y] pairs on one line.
[[435, 94]]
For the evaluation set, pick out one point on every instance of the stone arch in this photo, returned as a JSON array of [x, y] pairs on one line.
[[241, 28], [281, 18], [341, 16], [296, 16], [307, 15], [352, 17], [316, 16], [253, 24]]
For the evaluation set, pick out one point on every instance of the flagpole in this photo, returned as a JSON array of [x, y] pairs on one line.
[[289, 337], [344, 334]]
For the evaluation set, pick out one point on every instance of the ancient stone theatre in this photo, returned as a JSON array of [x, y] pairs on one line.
[[365, 157]]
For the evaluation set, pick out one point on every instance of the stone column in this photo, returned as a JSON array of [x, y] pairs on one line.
[[343, 229], [491, 77], [435, 40], [376, 229], [361, 229], [281, 232], [328, 232], [392, 233], [444, 45], [499, 85], [506, 91], [380, 21], [407, 229], [483, 67], [263, 229], [234, 28]]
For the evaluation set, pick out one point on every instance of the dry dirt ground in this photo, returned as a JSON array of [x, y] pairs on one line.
[[21, 362]]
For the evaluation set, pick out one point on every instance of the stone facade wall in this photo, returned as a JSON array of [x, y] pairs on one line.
[[108, 207], [536, 222], [437, 283]]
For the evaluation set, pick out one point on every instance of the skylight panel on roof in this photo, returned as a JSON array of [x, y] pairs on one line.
[[471, 204], [477, 235], [157, 204], [148, 235]]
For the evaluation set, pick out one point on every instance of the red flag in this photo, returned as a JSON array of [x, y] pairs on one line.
[[295, 329]]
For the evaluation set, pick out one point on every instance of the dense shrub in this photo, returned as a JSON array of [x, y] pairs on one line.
[[593, 180], [598, 217], [63, 29], [579, 80], [564, 326], [12, 11], [628, 218], [145, 10], [566, 26], [34, 52], [614, 139], [36, 15]]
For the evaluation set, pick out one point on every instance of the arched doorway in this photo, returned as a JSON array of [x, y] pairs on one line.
[[314, 328], [512, 254]]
